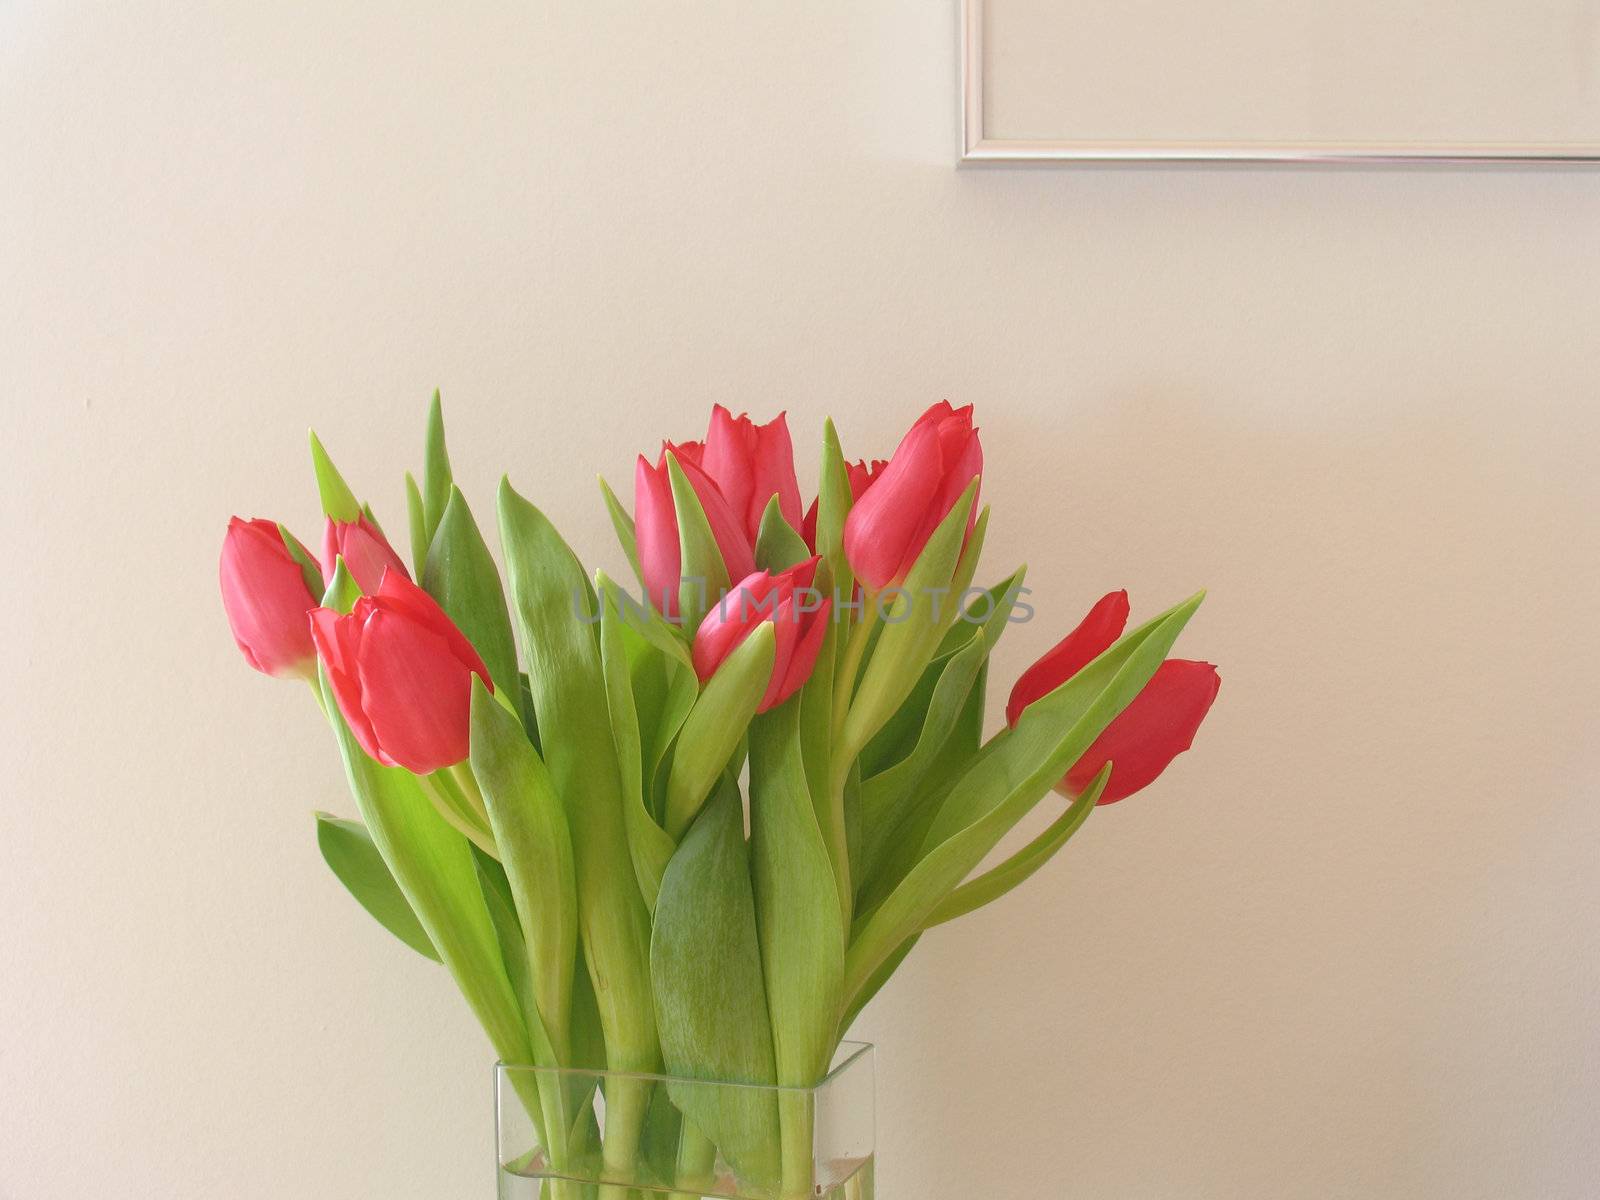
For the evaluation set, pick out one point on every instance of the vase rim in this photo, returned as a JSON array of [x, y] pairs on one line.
[[849, 1054]]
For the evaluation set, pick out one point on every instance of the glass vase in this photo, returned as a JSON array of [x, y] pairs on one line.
[[607, 1135]]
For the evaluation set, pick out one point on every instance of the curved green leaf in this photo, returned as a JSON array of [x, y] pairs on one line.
[[567, 686], [437, 477], [834, 501], [530, 830], [648, 844], [622, 522], [994, 883], [716, 725], [348, 850], [705, 964], [888, 797], [802, 933], [338, 501], [704, 574], [461, 575], [778, 546]]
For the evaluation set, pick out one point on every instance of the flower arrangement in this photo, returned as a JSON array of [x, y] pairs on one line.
[[564, 828]]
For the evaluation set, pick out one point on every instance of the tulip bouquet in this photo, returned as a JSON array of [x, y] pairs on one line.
[[555, 776]]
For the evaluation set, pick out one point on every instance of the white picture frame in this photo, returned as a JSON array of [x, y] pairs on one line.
[[979, 148]]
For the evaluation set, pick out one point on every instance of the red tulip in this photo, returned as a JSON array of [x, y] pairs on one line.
[[750, 464], [895, 517], [798, 627], [861, 477], [266, 595], [402, 674], [656, 524], [366, 552], [1143, 738]]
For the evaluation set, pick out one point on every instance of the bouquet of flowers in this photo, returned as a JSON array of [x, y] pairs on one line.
[[688, 833]]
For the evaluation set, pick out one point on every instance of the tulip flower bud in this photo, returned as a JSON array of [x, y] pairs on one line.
[[1146, 736], [888, 527], [750, 464], [402, 674], [861, 475], [366, 552], [800, 623], [267, 592], [656, 525]]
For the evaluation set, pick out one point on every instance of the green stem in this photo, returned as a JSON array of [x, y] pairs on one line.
[[844, 681], [697, 1162], [797, 1129], [627, 1100]]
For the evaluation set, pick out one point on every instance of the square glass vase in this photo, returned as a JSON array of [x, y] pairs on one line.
[[609, 1135]]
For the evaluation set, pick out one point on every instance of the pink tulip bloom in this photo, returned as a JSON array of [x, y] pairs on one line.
[[799, 618], [891, 523], [655, 518], [402, 674], [1143, 738], [366, 552], [266, 596], [750, 464]]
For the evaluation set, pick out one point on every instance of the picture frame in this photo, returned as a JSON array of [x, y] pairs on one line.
[[981, 148]]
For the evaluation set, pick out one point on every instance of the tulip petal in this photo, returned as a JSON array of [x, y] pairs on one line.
[[878, 532], [1155, 728], [656, 531], [803, 658], [336, 636], [400, 596], [1093, 635], [773, 474], [728, 460], [366, 552], [414, 692]]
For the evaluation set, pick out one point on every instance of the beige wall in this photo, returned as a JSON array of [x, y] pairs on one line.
[[1348, 948]]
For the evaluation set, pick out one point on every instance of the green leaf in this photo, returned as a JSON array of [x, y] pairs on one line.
[[802, 934], [875, 983], [899, 852], [342, 591], [705, 963], [1015, 771], [993, 884], [338, 501], [530, 830], [567, 686], [704, 574], [913, 625], [817, 749], [622, 522], [716, 725], [434, 868], [834, 502], [778, 546], [417, 524], [348, 850], [513, 952], [990, 611], [461, 575], [648, 844], [888, 798], [310, 570], [437, 476]]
